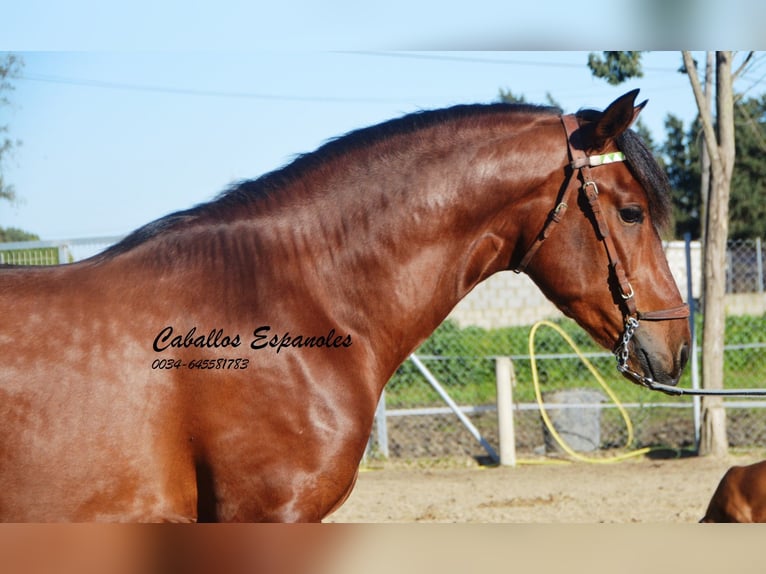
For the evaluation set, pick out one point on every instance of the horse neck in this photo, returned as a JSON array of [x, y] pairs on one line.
[[398, 242]]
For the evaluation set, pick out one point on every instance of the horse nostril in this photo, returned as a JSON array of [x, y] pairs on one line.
[[683, 356]]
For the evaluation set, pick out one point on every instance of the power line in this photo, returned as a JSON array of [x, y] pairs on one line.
[[463, 59], [203, 93], [150, 88], [485, 60]]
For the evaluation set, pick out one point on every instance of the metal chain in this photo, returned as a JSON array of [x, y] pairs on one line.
[[623, 354]]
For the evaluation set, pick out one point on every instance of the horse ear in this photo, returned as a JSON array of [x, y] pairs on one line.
[[617, 118]]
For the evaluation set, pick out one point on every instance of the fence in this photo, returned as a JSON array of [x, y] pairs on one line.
[[415, 423], [53, 252], [462, 352]]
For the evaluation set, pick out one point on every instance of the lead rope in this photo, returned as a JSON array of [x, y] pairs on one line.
[[596, 375], [622, 359]]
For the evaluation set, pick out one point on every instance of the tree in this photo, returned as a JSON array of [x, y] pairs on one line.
[[10, 67], [720, 143], [683, 161], [616, 67], [508, 97], [682, 169], [747, 208], [13, 234]]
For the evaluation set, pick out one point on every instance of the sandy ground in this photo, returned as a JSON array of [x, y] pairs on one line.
[[668, 490]]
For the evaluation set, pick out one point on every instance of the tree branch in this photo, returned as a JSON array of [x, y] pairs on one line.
[[741, 69], [702, 105]]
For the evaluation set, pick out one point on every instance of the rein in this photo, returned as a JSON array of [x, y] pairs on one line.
[[581, 165]]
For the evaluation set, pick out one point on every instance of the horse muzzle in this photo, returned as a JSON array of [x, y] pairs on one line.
[[658, 355]]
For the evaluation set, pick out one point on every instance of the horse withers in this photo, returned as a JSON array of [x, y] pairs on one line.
[[224, 362]]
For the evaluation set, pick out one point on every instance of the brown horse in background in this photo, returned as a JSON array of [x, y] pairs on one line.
[[740, 496], [224, 362]]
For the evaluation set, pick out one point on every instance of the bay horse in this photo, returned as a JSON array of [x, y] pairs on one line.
[[224, 362], [740, 495]]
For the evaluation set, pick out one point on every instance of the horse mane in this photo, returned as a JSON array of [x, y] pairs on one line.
[[243, 194], [369, 136]]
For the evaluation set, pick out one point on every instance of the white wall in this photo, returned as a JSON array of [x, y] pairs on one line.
[[509, 299]]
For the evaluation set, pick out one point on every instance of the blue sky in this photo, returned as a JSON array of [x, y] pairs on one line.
[[112, 140], [195, 25], [130, 110]]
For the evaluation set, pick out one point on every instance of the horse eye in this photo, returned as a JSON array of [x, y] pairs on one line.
[[632, 214]]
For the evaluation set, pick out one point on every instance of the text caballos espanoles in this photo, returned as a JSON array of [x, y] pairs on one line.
[[263, 338]]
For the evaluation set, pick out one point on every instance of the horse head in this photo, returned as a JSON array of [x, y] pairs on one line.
[[604, 265]]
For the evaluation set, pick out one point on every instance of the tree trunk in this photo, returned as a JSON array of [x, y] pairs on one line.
[[704, 154], [720, 145]]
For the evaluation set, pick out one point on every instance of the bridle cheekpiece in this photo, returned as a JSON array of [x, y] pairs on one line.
[[581, 165]]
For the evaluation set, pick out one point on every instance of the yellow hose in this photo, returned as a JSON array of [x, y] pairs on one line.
[[599, 378]]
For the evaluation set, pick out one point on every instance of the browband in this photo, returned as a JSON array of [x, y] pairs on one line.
[[597, 160]]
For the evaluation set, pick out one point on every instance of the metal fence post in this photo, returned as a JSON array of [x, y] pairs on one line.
[[63, 253], [453, 406], [505, 379], [696, 403]]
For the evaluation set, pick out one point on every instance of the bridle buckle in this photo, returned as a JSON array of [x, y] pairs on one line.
[[630, 295], [591, 183]]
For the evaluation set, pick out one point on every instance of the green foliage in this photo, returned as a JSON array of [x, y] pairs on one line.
[[10, 234], [462, 361], [508, 97], [640, 128], [551, 101], [616, 67], [682, 169], [10, 67], [747, 204]]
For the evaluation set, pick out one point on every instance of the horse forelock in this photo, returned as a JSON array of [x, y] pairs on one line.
[[645, 169], [650, 175]]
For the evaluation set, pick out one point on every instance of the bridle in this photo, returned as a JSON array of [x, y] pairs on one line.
[[581, 164]]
